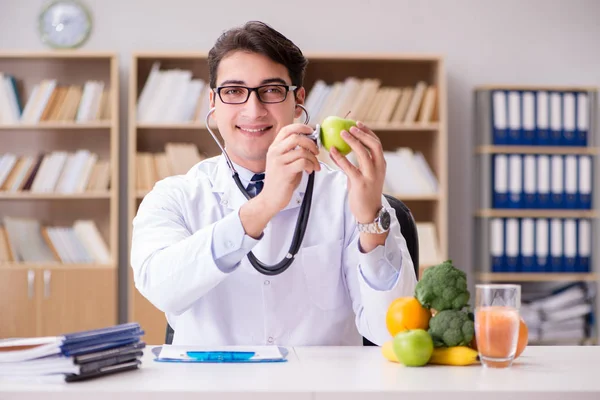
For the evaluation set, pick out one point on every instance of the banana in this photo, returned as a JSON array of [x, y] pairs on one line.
[[388, 351], [458, 355]]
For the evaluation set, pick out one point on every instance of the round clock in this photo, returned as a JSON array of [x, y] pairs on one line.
[[65, 24]]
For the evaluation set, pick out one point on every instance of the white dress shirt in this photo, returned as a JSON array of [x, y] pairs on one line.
[[189, 259]]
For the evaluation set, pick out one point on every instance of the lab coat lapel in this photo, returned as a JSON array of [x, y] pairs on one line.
[[231, 196]]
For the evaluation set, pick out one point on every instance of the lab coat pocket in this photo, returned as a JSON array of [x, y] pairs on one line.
[[322, 267]]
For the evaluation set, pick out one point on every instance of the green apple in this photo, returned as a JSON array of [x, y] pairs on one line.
[[413, 348], [331, 130]]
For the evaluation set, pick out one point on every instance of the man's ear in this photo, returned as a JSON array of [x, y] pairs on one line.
[[300, 97], [211, 99]]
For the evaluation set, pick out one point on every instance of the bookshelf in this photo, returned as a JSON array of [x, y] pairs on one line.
[[413, 130], [59, 163], [536, 203]]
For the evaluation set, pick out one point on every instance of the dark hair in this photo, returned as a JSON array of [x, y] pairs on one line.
[[258, 37]]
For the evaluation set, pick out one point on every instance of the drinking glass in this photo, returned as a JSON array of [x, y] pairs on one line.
[[497, 323]]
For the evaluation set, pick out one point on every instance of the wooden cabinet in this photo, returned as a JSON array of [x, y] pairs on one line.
[[53, 301], [59, 192]]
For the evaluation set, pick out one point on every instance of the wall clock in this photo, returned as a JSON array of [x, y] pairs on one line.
[[65, 24]]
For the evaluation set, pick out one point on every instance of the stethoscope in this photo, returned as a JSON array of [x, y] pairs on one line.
[[302, 221]]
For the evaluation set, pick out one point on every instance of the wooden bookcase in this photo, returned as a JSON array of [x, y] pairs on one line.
[[390, 70], [536, 197], [51, 297]]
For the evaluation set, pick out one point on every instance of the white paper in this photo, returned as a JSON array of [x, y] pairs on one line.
[[176, 352]]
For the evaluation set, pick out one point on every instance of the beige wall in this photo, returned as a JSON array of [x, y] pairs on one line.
[[510, 41]]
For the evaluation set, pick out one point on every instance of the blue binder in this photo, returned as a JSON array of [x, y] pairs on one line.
[[100, 339], [584, 185], [542, 113], [556, 119], [584, 243], [515, 136], [583, 119], [528, 132], [542, 245], [569, 137], [499, 117]]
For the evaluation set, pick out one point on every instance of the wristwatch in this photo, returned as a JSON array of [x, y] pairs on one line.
[[381, 223]]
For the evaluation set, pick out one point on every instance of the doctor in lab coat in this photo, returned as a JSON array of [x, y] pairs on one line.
[[192, 232]]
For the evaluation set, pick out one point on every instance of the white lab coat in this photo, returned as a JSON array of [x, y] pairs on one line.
[[188, 258]]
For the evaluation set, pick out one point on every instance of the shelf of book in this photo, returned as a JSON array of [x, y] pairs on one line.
[[59, 194], [402, 98], [536, 203]]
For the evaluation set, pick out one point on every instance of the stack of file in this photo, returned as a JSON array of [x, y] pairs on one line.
[[73, 357], [540, 117], [560, 315], [542, 181], [545, 245]]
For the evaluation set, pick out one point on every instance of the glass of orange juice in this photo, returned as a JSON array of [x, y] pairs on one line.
[[497, 323]]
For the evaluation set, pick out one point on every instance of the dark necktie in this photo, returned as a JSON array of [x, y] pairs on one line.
[[256, 185]]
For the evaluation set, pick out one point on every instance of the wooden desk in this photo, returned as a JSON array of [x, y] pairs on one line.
[[335, 373]]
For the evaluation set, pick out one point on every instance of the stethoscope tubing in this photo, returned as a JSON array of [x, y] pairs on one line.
[[302, 221]]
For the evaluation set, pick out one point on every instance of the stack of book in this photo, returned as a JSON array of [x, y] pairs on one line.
[[73, 357], [561, 314]]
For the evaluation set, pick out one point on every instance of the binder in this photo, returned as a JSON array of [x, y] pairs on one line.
[[529, 181], [569, 136], [528, 133], [583, 119], [515, 186], [584, 189], [542, 245], [556, 245], [500, 187], [557, 181], [499, 117], [527, 245], [556, 120], [512, 245], [542, 118], [497, 244], [570, 243], [571, 196], [584, 245], [543, 182], [514, 118]]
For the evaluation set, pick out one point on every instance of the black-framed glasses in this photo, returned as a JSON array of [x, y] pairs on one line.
[[266, 93]]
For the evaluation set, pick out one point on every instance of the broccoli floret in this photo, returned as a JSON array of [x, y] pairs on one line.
[[450, 328], [443, 287]]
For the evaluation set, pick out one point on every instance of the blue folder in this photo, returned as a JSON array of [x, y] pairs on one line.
[[218, 356]]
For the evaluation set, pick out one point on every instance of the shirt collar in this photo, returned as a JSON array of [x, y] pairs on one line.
[[222, 182]]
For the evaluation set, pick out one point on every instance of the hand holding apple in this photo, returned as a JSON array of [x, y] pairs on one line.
[[365, 182]]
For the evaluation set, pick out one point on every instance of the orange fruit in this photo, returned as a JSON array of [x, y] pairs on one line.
[[523, 337], [406, 313]]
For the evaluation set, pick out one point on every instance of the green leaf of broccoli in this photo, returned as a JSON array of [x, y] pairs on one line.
[[450, 328], [443, 287]]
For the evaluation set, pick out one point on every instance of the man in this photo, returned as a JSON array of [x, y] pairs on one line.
[[192, 233]]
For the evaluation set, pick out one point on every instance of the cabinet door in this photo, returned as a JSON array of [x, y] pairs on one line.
[[18, 310], [150, 318], [77, 299]]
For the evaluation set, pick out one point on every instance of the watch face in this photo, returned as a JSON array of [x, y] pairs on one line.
[[384, 219]]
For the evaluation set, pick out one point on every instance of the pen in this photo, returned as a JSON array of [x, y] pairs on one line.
[[221, 355]]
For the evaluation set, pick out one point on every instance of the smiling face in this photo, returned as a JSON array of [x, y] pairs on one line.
[[248, 129]]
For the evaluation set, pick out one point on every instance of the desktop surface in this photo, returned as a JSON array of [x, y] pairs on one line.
[[339, 373]]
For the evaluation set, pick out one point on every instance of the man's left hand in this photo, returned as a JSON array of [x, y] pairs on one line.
[[365, 182]]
